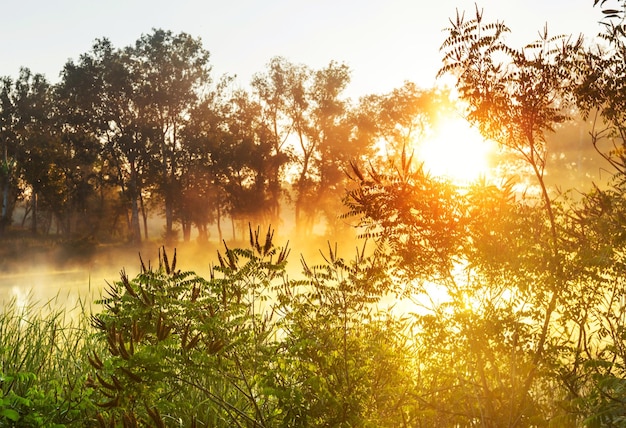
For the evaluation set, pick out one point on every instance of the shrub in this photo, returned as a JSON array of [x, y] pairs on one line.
[[247, 347]]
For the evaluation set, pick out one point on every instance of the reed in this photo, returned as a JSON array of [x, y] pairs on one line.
[[42, 363]]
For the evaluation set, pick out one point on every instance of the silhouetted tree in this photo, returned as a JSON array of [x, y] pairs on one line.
[[601, 90], [331, 144], [101, 90], [9, 177], [170, 72], [203, 199], [277, 92], [402, 118], [249, 163]]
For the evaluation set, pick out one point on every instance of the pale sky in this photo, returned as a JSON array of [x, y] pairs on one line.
[[383, 42]]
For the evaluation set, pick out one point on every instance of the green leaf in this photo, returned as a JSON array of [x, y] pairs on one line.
[[10, 414]]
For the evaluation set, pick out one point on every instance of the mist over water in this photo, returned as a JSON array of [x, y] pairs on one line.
[[44, 284], [67, 278], [53, 275]]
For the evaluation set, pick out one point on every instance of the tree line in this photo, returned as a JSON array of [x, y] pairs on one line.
[[145, 130]]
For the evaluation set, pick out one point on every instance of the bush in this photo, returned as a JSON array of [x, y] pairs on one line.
[[247, 347]]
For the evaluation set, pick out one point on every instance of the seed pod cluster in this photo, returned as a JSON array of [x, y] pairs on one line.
[[95, 362], [117, 343], [162, 329], [215, 345], [155, 416]]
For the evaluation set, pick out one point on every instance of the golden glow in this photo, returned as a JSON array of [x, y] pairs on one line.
[[456, 151]]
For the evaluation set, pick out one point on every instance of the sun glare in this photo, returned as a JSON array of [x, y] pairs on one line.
[[456, 151]]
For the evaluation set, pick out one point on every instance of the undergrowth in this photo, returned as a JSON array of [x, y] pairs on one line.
[[43, 366]]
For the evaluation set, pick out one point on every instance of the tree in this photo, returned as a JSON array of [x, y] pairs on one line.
[[26, 117], [496, 259], [53, 163], [399, 120], [250, 162], [595, 236], [8, 175], [309, 123], [170, 71], [202, 201], [137, 101], [602, 74], [515, 97], [279, 93], [101, 91], [331, 144]]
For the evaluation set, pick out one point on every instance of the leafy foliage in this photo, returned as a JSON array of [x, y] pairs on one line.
[[181, 347], [342, 362], [417, 217], [249, 348]]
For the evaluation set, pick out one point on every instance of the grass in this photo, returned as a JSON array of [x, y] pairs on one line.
[[43, 365]]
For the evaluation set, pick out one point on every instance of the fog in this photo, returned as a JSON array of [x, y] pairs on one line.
[[68, 277], [42, 270]]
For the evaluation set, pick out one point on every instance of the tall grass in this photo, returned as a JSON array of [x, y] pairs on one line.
[[43, 368]]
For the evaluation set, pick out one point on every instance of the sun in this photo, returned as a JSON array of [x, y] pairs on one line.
[[456, 151]]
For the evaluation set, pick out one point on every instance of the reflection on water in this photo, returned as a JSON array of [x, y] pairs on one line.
[[52, 276], [64, 287]]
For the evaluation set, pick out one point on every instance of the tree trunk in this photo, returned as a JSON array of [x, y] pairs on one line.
[[33, 209], [144, 214], [186, 225], [135, 230], [134, 221], [169, 221], [219, 223], [4, 215], [298, 218], [203, 234], [4, 218], [168, 176]]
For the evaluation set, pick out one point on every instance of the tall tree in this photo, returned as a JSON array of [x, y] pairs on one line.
[[171, 70], [279, 93], [516, 97], [8, 177], [306, 111], [401, 118], [41, 154], [602, 76], [102, 90], [249, 162], [330, 143], [203, 198]]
